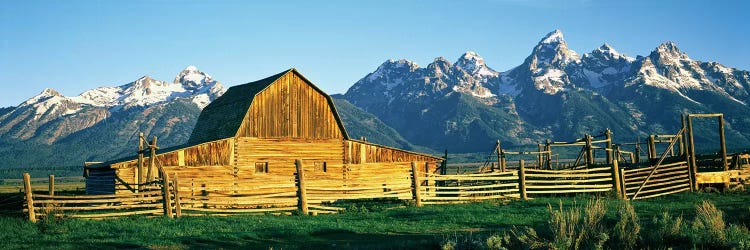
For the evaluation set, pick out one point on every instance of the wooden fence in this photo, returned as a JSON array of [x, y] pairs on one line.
[[148, 202], [461, 188], [545, 182], [309, 193], [642, 183]]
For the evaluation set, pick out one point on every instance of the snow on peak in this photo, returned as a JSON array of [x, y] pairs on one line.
[[192, 77], [553, 50], [46, 94], [668, 46], [553, 37], [191, 68], [391, 66], [607, 52], [474, 64], [49, 92], [401, 63], [668, 52]]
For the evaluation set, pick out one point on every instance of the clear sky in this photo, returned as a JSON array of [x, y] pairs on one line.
[[73, 46]]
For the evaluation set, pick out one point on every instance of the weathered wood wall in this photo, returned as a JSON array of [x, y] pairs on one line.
[[357, 152], [291, 108], [280, 154]]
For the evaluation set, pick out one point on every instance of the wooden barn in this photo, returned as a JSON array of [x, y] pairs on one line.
[[249, 139]]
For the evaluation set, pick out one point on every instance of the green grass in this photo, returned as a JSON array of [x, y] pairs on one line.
[[364, 226]]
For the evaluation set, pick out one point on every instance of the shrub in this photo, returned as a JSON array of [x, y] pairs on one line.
[[499, 242], [708, 226], [738, 237], [448, 245], [627, 229], [528, 237]]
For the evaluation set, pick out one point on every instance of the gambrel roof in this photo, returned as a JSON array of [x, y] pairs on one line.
[[223, 117]]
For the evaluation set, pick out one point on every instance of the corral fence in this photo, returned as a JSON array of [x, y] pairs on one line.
[[150, 201], [307, 193]]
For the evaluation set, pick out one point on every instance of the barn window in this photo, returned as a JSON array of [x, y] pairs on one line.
[[321, 166], [261, 167]]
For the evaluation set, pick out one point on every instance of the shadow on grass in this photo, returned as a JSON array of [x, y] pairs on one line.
[[321, 239]]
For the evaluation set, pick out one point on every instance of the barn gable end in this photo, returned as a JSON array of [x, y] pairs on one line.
[[283, 105]]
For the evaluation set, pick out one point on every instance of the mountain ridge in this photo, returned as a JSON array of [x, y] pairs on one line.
[[555, 93]]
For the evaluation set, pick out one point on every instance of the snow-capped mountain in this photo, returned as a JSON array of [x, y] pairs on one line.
[[555, 93], [50, 116]]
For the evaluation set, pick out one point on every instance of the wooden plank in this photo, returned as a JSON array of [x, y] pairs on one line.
[[581, 186], [529, 175], [547, 181], [109, 207], [234, 210], [662, 190], [568, 191], [153, 211], [663, 193], [90, 201], [576, 171]]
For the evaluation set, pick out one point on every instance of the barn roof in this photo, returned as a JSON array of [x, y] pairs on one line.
[[223, 117]]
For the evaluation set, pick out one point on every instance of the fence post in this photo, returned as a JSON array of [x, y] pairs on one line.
[[503, 166], [522, 180], [29, 196], [691, 143], [651, 149], [686, 151], [610, 153], [140, 163], [589, 151], [539, 156], [151, 161], [548, 148], [416, 184], [622, 185], [51, 185], [616, 176], [301, 191], [167, 198], [177, 205]]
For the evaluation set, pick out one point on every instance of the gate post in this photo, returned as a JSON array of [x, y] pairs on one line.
[[616, 177]]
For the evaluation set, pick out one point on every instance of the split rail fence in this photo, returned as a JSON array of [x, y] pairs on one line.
[[308, 193]]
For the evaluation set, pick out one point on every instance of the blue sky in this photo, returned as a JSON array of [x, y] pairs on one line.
[[73, 46]]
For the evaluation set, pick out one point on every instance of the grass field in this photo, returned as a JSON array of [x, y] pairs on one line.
[[362, 226]]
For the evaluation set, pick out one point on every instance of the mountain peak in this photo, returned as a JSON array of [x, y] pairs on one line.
[[607, 52], [606, 47], [401, 63], [667, 53], [471, 55], [474, 64], [555, 36], [668, 46], [49, 92], [191, 68], [552, 50]]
